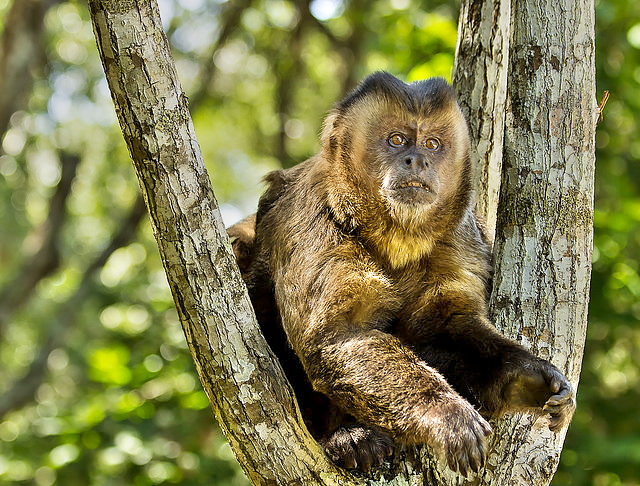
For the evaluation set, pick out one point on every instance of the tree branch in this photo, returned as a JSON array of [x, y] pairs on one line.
[[350, 48], [21, 53], [230, 20], [480, 75], [354, 45], [290, 69]]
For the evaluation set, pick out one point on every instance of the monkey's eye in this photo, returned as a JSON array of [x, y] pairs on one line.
[[432, 143], [397, 140]]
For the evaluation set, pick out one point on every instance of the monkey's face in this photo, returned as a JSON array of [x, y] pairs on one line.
[[399, 149], [419, 162], [409, 166]]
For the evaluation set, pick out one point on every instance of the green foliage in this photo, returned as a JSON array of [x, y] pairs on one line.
[[117, 400]]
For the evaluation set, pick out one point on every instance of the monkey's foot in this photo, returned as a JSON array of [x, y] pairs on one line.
[[357, 446]]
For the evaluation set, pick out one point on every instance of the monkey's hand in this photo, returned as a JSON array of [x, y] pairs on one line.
[[459, 433], [357, 446], [540, 385]]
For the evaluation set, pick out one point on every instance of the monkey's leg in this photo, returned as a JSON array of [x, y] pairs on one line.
[[353, 445], [347, 442]]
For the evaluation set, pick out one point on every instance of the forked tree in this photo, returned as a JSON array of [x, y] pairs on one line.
[[525, 74]]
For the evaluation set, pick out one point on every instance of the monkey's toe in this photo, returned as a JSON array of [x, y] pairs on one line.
[[357, 446]]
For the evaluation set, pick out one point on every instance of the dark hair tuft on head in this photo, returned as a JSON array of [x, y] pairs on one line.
[[421, 98]]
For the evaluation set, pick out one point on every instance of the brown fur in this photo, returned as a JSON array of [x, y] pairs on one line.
[[381, 291], [242, 236]]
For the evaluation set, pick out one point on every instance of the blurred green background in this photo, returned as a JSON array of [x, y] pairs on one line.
[[97, 386]]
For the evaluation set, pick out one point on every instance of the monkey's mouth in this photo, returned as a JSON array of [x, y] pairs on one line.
[[413, 192], [414, 184]]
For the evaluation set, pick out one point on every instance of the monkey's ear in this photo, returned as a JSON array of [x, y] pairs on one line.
[[330, 128]]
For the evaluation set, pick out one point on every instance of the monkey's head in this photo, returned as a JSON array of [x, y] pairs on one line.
[[398, 152]]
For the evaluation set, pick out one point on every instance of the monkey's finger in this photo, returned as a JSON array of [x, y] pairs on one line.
[[389, 449], [556, 400], [558, 383], [559, 401], [561, 388], [362, 452], [475, 460], [557, 422], [552, 377], [341, 449], [346, 457], [562, 399], [364, 455], [482, 449], [348, 460], [481, 430], [474, 445], [476, 449], [454, 457], [451, 461], [487, 429], [384, 447], [463, 464], [365, 461], [556, 409], [484, 427]]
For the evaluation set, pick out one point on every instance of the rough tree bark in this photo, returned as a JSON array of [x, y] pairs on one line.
[[480, 77], [535, 58], [543, 233]]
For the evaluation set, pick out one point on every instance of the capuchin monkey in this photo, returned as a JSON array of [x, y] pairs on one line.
[[370, 276]]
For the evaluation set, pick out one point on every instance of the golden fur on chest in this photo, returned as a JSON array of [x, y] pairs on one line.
[[401, 249]]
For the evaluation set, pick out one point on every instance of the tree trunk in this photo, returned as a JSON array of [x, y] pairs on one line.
[[480, 77], [251, 398], [543, 241], [543, 234]]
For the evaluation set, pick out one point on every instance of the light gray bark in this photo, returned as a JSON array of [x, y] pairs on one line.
[[480, 77], [545, 215], [543, 244]]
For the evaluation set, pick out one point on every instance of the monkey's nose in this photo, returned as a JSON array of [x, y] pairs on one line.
[[416, 162]]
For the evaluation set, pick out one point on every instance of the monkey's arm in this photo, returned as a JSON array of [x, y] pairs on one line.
[[493, 371], [335, 314]]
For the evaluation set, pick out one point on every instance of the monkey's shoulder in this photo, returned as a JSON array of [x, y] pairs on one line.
[[294, 198], [288, 184], [242, 236]]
